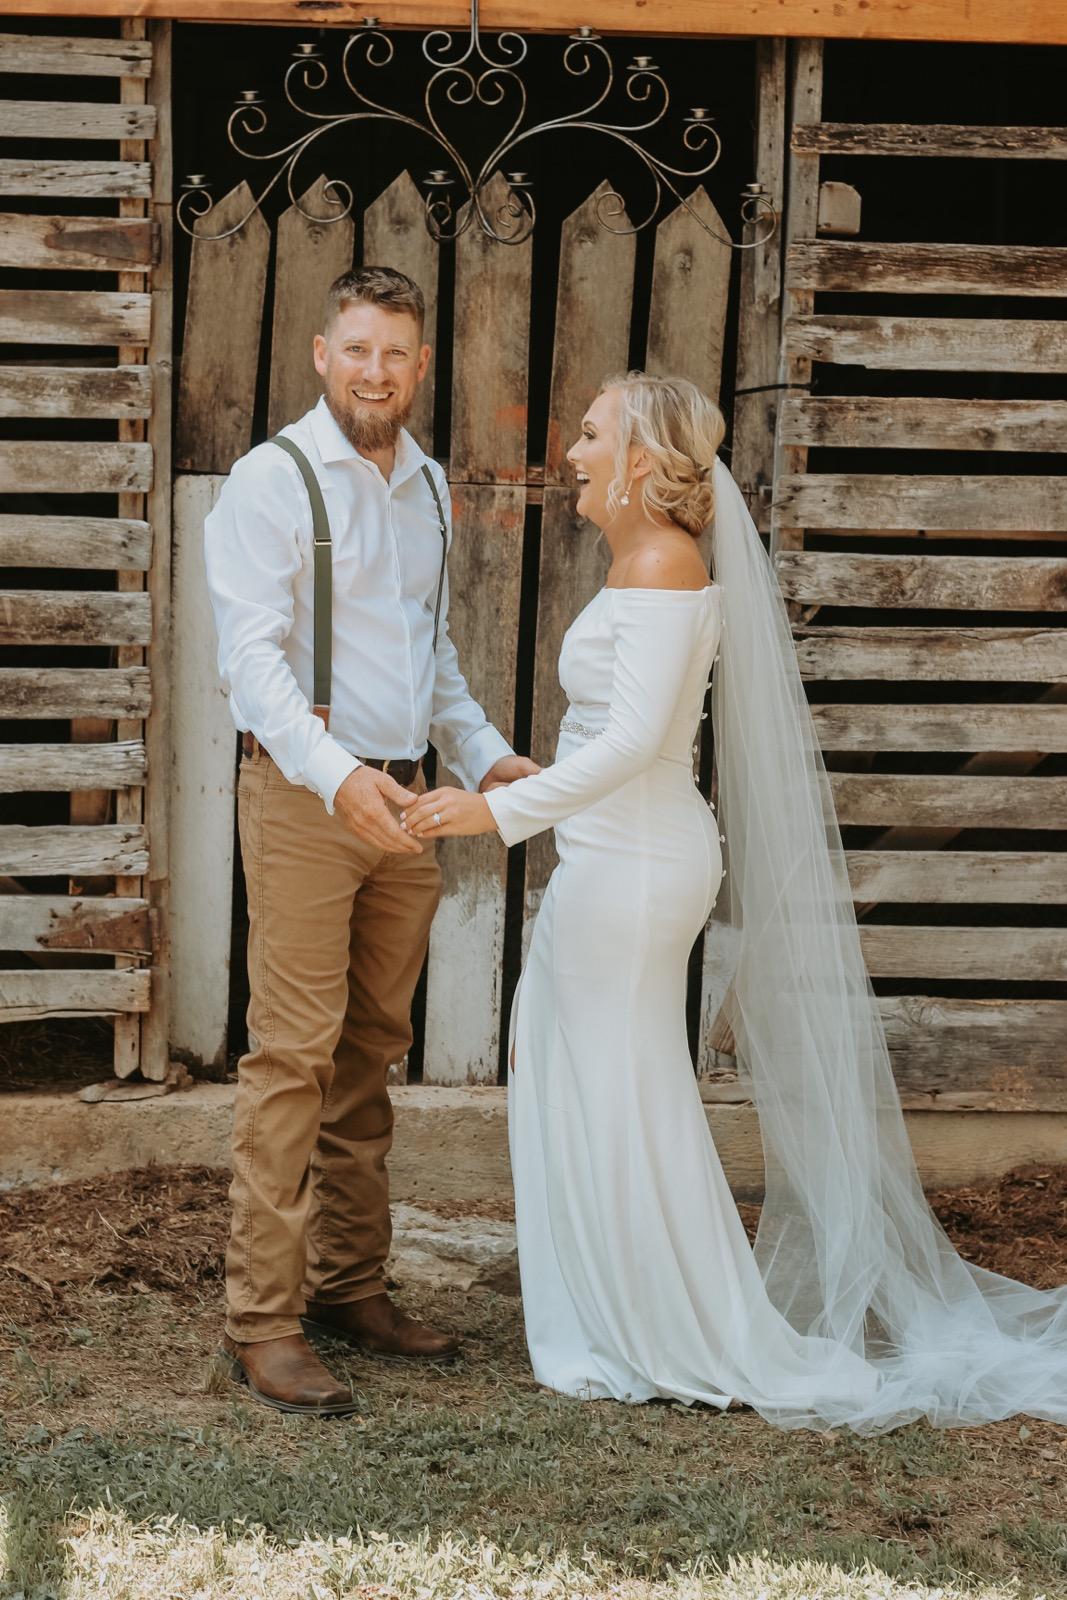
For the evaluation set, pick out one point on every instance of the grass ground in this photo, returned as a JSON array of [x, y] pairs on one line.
[[129, 1470]]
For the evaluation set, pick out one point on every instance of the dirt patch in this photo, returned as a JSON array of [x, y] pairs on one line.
[[165, 1229], [156, 1228]]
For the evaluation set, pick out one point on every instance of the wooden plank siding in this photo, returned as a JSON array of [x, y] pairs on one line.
[[930, 139], [66, 316], [981, 725], [58, 692], [994, 1055], [128, 804], [876, 422], [61, 467], [913, 801], [36, 922], [107, 543], [865, 500], [938, 583], [690, 269], [942, 735], [832, 266], [203, 781], [488, 474], [88, 392], [98, 180], [961, 1055], [76, 58], [592, 333], [1003, 955], [57, 119], [220, 349], [930, 344], [30, 996], [958, 877], [40, 767], [111, 849], [116, 396], [77, 244], [45, 616], [948, 655]]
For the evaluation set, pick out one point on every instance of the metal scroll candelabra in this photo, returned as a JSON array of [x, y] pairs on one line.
[[467, 73]]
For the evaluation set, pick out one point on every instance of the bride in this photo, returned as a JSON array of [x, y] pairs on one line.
[[638, 1281]]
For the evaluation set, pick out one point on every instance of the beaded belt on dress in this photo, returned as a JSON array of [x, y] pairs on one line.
[[569, 725]]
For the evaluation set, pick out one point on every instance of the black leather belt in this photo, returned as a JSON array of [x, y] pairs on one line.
[[404, 772]]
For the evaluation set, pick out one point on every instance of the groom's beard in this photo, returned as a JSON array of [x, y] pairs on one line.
[[369, 430]]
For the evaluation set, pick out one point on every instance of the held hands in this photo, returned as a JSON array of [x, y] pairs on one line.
[[447, 814], [362, 804], [453, 813], [506, 770]]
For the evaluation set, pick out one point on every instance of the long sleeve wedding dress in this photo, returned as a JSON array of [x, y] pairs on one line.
[[638, 1280]]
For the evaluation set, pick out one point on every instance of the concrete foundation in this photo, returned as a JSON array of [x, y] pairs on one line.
[[451, 1143]]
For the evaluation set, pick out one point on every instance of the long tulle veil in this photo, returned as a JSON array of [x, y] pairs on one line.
[[848, 1248]]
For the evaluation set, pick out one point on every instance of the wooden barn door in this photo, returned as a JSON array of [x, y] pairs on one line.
[[929, 613], [84, 534]]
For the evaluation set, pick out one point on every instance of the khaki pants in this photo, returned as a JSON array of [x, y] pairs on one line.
[[337, 937]]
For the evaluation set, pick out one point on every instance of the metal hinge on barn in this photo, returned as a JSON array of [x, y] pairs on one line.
[[98, 359], [944, 734]]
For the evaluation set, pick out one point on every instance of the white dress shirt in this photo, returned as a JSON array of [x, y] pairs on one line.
[[391, 694]]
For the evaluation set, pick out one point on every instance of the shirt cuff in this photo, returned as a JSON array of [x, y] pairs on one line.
[[328, 766], [477, 754]]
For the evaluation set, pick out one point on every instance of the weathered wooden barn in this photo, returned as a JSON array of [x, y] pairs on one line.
[[892, 363]]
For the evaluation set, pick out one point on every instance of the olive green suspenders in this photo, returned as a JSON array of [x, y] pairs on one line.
[[323, 612]]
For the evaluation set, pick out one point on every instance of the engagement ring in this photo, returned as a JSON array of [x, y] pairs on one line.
[[437, 819]]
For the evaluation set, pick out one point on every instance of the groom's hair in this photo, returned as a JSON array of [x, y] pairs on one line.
[[376, 286]]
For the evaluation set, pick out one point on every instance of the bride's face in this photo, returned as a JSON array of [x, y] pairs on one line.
[[592, 456]]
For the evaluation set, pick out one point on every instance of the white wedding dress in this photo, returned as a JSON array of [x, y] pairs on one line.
[[638, 1279], [853, 1309]]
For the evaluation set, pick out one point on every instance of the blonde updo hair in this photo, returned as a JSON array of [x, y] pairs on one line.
[[680, 430]]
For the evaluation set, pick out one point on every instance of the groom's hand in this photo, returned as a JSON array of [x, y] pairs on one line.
[[506, 770], [361, 803]]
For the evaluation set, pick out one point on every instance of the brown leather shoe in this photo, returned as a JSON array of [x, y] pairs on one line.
[[287, 1374], [376, 1327]]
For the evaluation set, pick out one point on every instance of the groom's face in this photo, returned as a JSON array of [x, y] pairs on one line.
[[371, 361]]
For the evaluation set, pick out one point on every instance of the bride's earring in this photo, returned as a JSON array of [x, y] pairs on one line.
[[624, 499]]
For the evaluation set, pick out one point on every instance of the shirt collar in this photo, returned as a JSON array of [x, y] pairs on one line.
[[332, 445]]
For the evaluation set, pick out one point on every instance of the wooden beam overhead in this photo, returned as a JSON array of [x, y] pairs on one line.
[[984, 21]]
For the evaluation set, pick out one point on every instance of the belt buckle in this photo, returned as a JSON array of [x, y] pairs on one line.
[[387, 763]]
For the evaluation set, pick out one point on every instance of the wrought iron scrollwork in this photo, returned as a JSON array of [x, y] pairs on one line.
[[466, 72]]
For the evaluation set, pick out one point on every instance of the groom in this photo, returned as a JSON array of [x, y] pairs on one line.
[[335, 722]]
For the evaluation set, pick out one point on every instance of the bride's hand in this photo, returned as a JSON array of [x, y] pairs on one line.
[[447, 814]]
